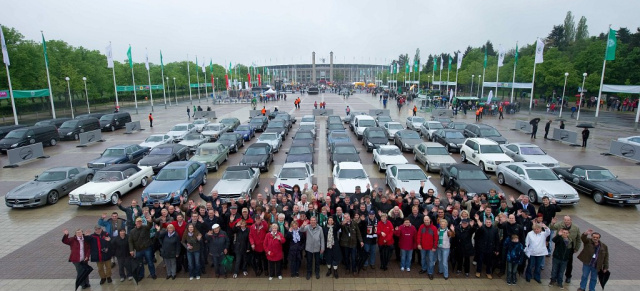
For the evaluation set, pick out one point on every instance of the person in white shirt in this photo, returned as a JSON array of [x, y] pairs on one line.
[[536, 250]]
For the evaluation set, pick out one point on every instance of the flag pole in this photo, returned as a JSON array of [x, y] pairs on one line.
[[513, 81], [198, 79], [149, 76], [498, 71], [440, 80], [204, 71], [604, 65], [164, 91], [5, 59], [448, 71], [115, 86], [46, 62], [482, 84], [133, 79], [189, 79]]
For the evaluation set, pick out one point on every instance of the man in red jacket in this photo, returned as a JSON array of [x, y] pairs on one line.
[[427, 242], [257, 233]]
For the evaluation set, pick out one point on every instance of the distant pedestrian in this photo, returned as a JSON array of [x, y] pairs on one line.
[[500, 110], [348, 110], [561, 124], [415, 110], [315, 105], [188, 112], [477, 115], [585, 137], [263, 111], [547, 126], [534, 127], [150, 120], [194, 111]]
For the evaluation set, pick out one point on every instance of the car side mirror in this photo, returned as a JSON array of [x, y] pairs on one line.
[[286, 152], [476, 151], [36, 177], [153, 177], [71, 176], [522, 177], [275, 175], [130, 157], [583, 177]]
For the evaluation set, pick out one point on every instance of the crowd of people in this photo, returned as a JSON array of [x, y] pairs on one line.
[[345, 234]]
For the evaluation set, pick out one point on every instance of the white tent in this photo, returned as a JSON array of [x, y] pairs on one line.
[[270, 91], [628, 89]]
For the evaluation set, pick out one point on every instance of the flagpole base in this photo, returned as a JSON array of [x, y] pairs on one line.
[[165, 106]]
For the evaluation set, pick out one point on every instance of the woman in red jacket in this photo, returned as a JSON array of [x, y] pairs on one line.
[[406, 234], [257, 233], [273, 242], [385, 240], [80, 251]]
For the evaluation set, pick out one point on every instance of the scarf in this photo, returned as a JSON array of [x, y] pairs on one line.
[[330, 237], [281, 227], [441, 232], [296, 236], [81, 242]]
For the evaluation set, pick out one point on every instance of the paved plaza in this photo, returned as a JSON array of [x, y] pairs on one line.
[[32, 256]]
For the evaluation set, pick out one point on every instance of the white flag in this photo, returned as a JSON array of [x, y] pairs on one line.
[[490, 97], [441, 64], [5, 53], [109, 57], [501, 56], [146, 59], [539, 51], [203, 67], [460, 56]]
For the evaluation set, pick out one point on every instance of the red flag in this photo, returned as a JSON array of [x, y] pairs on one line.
[[213, 85], [259, 81], [226, 80], [249, 79]]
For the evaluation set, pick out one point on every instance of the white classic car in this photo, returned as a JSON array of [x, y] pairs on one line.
[[388, 155], [178, 131], [109, 184], [348, 175], [155, 140], [294, 174]]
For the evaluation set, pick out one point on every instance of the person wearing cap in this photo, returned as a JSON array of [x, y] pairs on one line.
[[427, 242], [244, 215], [230, 216], [140, 246], [218, 243], [463, 237], [273, 248], [170, 248], [241, 248], [132, 212], [99, 243], [257, 233], [359, 194]]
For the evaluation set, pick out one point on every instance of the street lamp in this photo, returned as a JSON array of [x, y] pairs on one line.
[[563, 89], [175, 90], [165, 104], [479, 97], [70, 101], [584, 76], [471, 91], [84, 79]]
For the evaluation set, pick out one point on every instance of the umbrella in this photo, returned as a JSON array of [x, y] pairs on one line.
[[361, 257], [135, 269], [603, 277], [585, 125], [84, 274], [535, 120]]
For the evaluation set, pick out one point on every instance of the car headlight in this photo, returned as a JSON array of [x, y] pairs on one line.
[[73, 197], [162, 164], [261, 164], [14, 145], [246, 134], [491, 162], [611, 195], [452, 144], [434, 164], [406, 144], [370, 143], [70, 133], [383, 164], [103, 197]]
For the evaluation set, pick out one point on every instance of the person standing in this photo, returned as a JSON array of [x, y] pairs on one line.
[[296, 241], [406, 234], [191, 242], [515, 257], [500, 110], [194, 111], [188, 112], [561, 255], [257, 234], [487, 246], [120, 247], [561, 124], [170, 248], [132, 212], [79, 255], [547, 126], [585, 137], [349, 240], [370, 239], [333, 253], [536, 250], [150, 120], [348, 110], [534, 127], [100, 244], [241, 248], [445, 233], [594, 257], [314, 246], [273, 247], [574, 236], [385, 240], [140, 246], [415, 110], [218, 242], [427, 242]]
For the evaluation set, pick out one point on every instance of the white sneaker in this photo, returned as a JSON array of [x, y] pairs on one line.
[[244, 273], [402, 269], [280, 277], [121, 279], [408, 269], [197, 277], [130, 278], [270, 278], [235, 276], [190, 278]]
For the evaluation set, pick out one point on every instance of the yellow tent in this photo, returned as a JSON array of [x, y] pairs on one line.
[[371, 85], [358, 84]]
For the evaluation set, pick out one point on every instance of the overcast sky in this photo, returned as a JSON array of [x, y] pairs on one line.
[[282, 32]]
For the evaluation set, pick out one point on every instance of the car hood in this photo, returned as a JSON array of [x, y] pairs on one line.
[[416, 124], [552, 187], [478, 186], [273, 143], [212, 132], [497, 157], [540, 159], [617, 187], [204, 158], [227, 143], [164, 186], [93, 188], [177, 133], [106, 160], [254, 159], [349, 185], [415, 185], [498, 139], [378, 140], [338, 158], [152, 160], [31, 188], [456, 141], [226, 187], [63, 131], [393, 160], [442, 159], [307, 158], [8, 141], [151, 144], [190, 143], [289, 182], [243, 132]]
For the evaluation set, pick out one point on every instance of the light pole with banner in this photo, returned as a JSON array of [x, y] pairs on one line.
[[175, 90], [479, 76], [584, 76], [70, 101], [84, 79], [563, 90], [163, 88], [471, 91]]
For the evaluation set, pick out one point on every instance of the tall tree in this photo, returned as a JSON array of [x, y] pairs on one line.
[[489, 47], [402, 60], [624, 35], [417, 56], [556, 37], [569, 28], [582, 32]]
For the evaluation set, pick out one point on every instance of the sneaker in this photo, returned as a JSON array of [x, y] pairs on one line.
[[245, 273], [130, 278], [408, 269], [477, 274], [550, 283], [121, 279], [197, 277], [235, 276], [489, 277], [402, 269], [103, 280], [280, 277], [270, 278], [190, 278], [561, 287]]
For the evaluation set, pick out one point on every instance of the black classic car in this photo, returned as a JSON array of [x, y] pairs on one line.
[[600, 183], [163, 154], [258, 155], [469, 177]]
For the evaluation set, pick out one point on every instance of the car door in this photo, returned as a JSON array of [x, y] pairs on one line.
[[192, 177], [453, 173], [520, 183], [129, 180], [578, 179], [475, 153], [393, 172], [72, 182], [511, 150], [509, 174]]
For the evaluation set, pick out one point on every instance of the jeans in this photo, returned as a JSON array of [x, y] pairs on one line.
[[569, 269], [512, 272], [315, 257], [79, 267], [350, 259], [148, 255], [535, 264], [586, 272], [371, 250], [170, 263], [428, 260], [241, 263], [557, 270], [124, 264], [405, 258], [443, 261], [193, 257]]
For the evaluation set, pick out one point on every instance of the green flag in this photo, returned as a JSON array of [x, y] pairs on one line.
[[435, 64], [450, 60], [406, 67], [161, 63], [129, 56], [610, 53], [485, 58], [44, 48], [230, 67], [516, 60], [415, 65], [211, 66]]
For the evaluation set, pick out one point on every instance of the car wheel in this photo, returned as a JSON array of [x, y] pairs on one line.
[[114, 198], [113, 128], [500, 179], [463, 157], [143, 182], [76, 137], [533, 196], [598, 197], [215, 167], [441, 180], [226, 157], [242, 145], [426, 165], [446, 147], [88, 178], [185, 194], [380, 169], [53, 197], [481, 165], [204, 177], [53, 142], [415, 158]]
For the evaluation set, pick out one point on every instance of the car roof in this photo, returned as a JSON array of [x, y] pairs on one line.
[[364, 117], [186, 123], [294, 165], [450, 130], [482, 125], [405, 131], [374, 128], [590, 167], [178, 164], [350, 165], [483, 141], [120, 146], [407, 166], [170, 145], [343, 144], [118, 167], [237, 168], [259, 144], [210, 145], [526, 165], [229, 118], [387, 147], [467, 167], [63, 168], [524, 144], [432, 144]]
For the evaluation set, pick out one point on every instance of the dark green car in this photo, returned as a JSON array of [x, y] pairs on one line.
[[211, 154]]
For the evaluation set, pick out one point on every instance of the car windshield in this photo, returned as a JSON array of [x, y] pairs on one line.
[[227, 137], [200, 121], [256, 121], [51, 176], [338, 136], [161, 151], [395, 126], [485, 132], [113, 153], [236, 175], [454, 134], [471, 175], [377, 133], [179, 128], [228, 121], [542, 174], [435, 125], [307, 127], [366, 123], [70, 124], [345, 150], [107, 176], [410, 135], [304, 135], [299, 150], [490, 149], [154, 138], [600, 175], [207, 151], [411, 174], [16, 133], [308, 119], [390, 152], [243, 128], [275, 123], [459, 125], [107, 117], [444, 120], [216, 127], [437, 151], [334, 126], [384, 119], [417, 119], [255, 151], [192, 137], [293, 173], [352, 174], [534, 151], [268, 136], [167, 174]]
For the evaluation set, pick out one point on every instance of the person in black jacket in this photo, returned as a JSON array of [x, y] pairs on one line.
[[296, 247], [509, 228], [488, 246], [218, 243], [99, 243], [170, 248], [241, 248], [333, 252], [464, 232], [547, 126], [585, 137], [120, 249]]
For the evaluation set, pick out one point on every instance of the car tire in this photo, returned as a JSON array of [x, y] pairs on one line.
[[427, 167], [533, 196], [53, 142], [52, 197], [144, 182], [76, 137], [114, 198], [501, 180], [204, 177], [215, 167], [113, 128], [481, 165], [185, 194], [441, 180], [446, 147], [598, 197], [380, 169], [88, 178], [463, 157]]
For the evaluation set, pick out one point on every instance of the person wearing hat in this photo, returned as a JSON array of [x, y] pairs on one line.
[[140, 246], [99, 243], [370, 238], [359, 194], [463, 238], [218, 243], [170, 248]]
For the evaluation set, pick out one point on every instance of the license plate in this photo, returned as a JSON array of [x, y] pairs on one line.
[[85, 204], [633, 201], [18, 206]]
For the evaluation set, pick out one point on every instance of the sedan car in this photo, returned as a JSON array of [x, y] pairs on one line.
[[331, 127], [414, 122], [308, 126], [635, 140], [294, 174], [109, 184], [408, 176], [231, 123], [279, 126], [258, 155], [406, 139], [304, 137], [155, 140], [48, 187], [388, 155], [236, 181], [232, 140], [484, 153], [213, 131], [373, 137], [259, 123], [164, 154], [246, 130], [432, 155], [179, 131], [451, 139], [211, 154], [175, 180], [273, 139], [444, 121], [382, 119], [469, 177], [457, 125], [429, 127], [526, 152], [308, 118], [334, 119], [391, 128], [536, 181], [338, 136], [193, 141], [600, 183], [348, 175], [343, 152], [119, 154], [200, 124], [300, 154]]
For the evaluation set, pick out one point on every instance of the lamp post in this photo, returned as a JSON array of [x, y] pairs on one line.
[[175, 90], [563, 89], [471, 91], [479, 76], [84, 79], [70, 101], [584, 76], [165, 104]]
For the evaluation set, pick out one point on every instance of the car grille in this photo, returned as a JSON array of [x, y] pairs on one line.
[[157, 196], [97, 165], [628, 196], [87, 198], [500, 162], [17, 201]]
